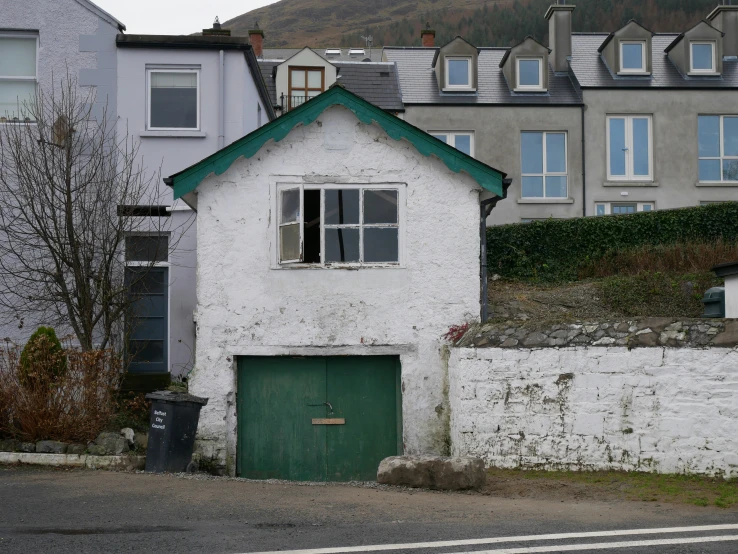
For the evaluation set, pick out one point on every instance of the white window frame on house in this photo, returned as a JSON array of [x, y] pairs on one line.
[[22, 78], [605, 208], [631, 71], [539, 86], [629, 176], [450, 138], [298, 263], [469, 85], [711, 71], [722, 156], [149, 71], [545, 173]]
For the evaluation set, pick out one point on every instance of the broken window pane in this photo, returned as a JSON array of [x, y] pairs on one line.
[[380, 206], [380, 245], [341, 206], [289, 242], [290, 206], [341, 245]]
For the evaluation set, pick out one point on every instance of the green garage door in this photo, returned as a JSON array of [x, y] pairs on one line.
[[317, 419]]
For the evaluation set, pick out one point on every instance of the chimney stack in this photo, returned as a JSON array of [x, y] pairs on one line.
[[725, 19], [559, 35], [256, 36], [427, 36], [216, 30]]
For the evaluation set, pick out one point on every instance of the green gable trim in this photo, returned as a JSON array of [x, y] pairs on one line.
[[187, 180]]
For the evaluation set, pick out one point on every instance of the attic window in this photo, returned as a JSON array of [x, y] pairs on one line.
[[632, 56], [333, 52], [529, 73], [702, 57], [356, 52], [458, 73]]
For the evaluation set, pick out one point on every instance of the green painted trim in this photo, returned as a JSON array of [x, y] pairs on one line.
[[398, 408], [187, 180]]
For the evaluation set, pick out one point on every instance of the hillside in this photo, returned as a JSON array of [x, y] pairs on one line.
[[320, 23]]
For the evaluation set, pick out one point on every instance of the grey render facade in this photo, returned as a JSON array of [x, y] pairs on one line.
[[633, 138]]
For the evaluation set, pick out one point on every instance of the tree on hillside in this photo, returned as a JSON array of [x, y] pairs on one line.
[[72, 192]]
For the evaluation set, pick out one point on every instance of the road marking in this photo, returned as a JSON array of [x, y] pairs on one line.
[[602, 545], [523, 538]]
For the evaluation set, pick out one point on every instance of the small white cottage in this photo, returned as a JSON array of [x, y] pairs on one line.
[[336, 247]]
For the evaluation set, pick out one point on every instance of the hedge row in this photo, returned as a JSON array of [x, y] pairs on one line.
[[555, 249]]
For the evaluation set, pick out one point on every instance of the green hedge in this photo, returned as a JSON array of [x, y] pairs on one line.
[[553, 250]]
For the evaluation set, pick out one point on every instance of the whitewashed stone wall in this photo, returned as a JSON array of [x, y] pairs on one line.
[[246, 307], [647, 409]]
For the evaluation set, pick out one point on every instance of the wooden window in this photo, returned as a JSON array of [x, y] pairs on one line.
[[305, 83]]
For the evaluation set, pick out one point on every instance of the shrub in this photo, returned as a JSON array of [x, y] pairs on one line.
[[74, 406], [42, 360], [555, 250]]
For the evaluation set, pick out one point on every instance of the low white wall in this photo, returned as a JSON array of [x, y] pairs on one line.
[[648, 409]]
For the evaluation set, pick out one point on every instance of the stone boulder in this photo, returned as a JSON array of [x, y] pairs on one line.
[[113, 443], [141, 440], [432, 472], [28, 447], [76, 449], [128, 434], [51, 447], [10, 445]]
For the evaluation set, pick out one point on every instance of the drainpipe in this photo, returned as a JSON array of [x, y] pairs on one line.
[[485, 208], [584, 170], [221, 103]]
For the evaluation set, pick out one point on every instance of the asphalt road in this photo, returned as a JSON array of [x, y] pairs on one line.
[[98, 511]]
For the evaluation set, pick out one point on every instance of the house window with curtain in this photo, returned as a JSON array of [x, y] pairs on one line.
[[305, 83], [543, 164], [174, 99], [718, 148], [17, 76]]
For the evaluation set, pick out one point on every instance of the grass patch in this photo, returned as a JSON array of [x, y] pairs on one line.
[[696, 490]]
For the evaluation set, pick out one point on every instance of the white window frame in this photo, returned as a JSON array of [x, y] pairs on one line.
[[468, 59], [298, 264], [629, 147], [24, 78], [722, 148], [151, 70], [713, 70], [644, 67], [640, 207], [539, 86], [451, 138], [545, 173]]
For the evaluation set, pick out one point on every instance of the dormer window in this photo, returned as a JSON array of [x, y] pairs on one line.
[[530, 73], [702, 57], [633, 56], [458, 73]]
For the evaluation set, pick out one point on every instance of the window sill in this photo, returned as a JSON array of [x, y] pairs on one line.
[[716, 184], [530, 90], [630, 184], [355, 267], [545, 200], [634, 74], [460, 89], [173, 134]]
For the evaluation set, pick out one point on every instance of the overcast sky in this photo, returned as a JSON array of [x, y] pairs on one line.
[[175, 17]]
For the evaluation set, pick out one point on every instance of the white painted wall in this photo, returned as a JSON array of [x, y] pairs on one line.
[[663, 409], [731, 296], [304, 58], [244, 307]]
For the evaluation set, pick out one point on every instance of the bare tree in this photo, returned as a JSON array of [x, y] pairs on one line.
[[71, 190]]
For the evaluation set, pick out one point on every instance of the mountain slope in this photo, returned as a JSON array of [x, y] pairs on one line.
[[320, 23]]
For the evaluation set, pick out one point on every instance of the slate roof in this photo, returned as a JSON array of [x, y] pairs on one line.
[[419, 86], [375, 54], [374, 82], [592, 72]]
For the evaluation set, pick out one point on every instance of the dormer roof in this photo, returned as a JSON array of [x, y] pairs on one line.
[[679, 37], [612, 35], [526, 39], [457, 41]]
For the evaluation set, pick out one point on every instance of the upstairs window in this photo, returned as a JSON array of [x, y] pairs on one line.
[[629, 148], [460, 141], [332, 225], [530, 73], [543, 164], [702, 57], [718, 148], [632, 56], [305, 83], [174, 99], [458, 73], [17, 76]]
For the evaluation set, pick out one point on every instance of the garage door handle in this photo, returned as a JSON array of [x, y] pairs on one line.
[[324, 404]]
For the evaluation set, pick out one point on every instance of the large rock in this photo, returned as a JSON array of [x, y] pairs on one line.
[[28, 447], [432, 472], [128, 434], [113, 443], [51, 447], [76, 449], [141, 440], [10, 445]]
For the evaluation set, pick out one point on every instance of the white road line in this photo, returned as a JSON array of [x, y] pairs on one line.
[[603, 545], [497, 540]]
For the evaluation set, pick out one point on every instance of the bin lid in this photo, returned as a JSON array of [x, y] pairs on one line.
[[715, 294], [172, 396]]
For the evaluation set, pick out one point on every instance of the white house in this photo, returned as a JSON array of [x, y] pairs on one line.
[[336, 247]]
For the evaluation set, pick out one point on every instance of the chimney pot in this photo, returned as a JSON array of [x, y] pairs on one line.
[[428, 36], [256, 37], [216, 30]]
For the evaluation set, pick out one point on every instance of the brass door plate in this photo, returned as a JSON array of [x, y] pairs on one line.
[[329, 421]]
